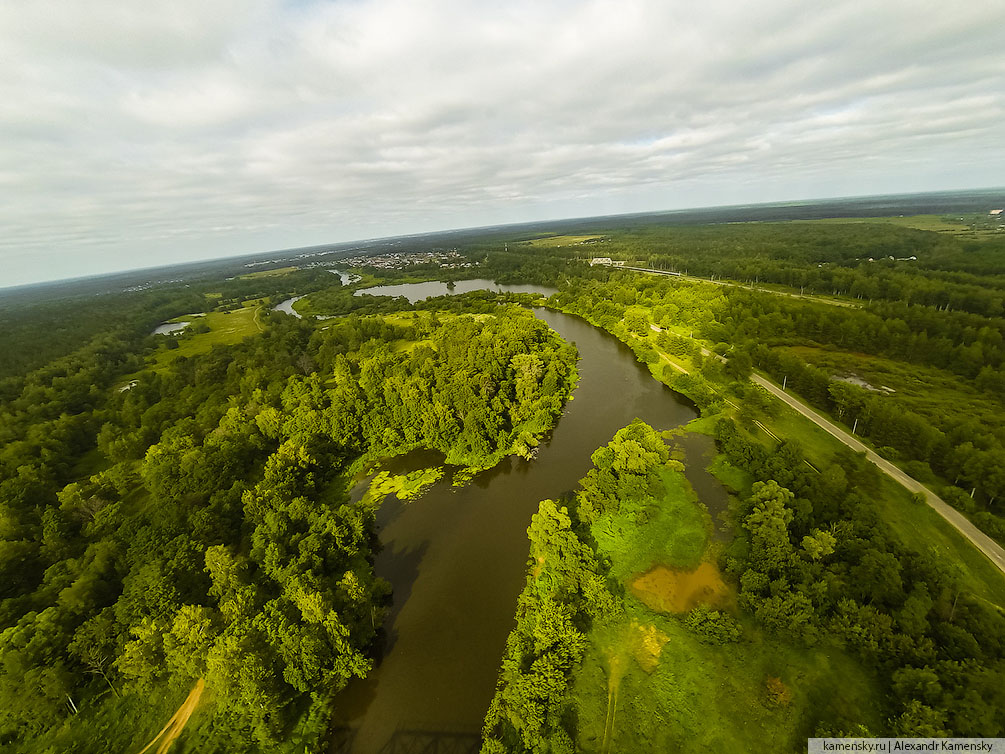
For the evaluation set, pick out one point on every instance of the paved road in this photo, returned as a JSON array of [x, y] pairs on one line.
[[979, 539]]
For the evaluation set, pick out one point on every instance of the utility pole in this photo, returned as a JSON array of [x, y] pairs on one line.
[[784, 380]]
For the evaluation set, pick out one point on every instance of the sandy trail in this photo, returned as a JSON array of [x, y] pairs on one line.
[[617, 672], [176, 724]]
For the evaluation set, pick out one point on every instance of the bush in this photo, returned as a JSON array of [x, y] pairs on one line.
[[778, 693], [712, 626], [990, 524], [920, 471], [959, 499]]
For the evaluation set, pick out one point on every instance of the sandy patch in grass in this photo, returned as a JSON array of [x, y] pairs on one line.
[[648, 646], [672, 590], [176, 724]]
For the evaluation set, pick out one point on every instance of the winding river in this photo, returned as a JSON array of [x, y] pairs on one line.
[[457, 559]]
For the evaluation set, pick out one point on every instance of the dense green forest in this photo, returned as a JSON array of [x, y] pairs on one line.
[[57, 326], [176, 523], [192, 526], [821, 573], [922, 425], [864, 261], [826, 580]]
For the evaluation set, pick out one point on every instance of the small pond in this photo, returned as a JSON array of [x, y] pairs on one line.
[[170, 327]]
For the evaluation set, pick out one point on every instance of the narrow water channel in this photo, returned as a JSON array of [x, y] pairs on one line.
[[457, 558]]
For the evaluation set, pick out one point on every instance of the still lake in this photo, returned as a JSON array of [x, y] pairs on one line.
[[419, 291]]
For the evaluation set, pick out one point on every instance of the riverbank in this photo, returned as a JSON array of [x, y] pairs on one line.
[[456, 556]]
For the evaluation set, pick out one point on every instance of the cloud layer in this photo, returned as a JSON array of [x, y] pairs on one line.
[[134, 134]]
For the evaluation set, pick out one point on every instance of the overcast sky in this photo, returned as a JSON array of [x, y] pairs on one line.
[[142, 133]]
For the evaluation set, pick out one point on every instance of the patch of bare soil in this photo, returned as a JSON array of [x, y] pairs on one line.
[[176, 724], [672, 590]]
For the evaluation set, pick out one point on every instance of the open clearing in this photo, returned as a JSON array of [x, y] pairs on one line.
[[553, 241], [225, 328], [919, 222], [673, 590], [269, 273], [647, 683], [938, 395]]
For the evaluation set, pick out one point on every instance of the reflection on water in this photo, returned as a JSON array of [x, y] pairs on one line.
[[457, 557], [287, 307], [170, 327], [699, 450], [420, 291], [347, 278]]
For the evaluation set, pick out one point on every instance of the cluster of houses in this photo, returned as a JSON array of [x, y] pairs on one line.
[[448, 260]]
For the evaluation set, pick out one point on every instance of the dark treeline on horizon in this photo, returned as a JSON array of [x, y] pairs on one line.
[[176, 509], [967, 201]]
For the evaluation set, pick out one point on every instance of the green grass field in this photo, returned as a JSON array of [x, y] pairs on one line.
[[648, 684], [675, 533], [701, 698], [225, 328], [553, 241], [920, 222], [933, 393], [269, 273]]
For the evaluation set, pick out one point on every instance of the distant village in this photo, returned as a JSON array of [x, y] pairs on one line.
[[399, 260]]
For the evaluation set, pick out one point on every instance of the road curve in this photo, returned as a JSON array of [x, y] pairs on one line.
[[979, 539]]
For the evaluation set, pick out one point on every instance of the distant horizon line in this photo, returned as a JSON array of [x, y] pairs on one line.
[[780, 204]]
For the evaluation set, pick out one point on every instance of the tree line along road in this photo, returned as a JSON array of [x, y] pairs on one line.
[[732, 284], [994, 552], [979, 539]]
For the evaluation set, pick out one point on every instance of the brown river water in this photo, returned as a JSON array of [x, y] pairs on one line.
[[457, 558]]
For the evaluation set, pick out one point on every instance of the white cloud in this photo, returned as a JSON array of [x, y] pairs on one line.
[[135, 134]]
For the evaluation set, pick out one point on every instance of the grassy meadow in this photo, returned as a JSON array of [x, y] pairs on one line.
[[557, 241], [224, 328], [649, 683], [925, 389], [936, 394], [269, 273]]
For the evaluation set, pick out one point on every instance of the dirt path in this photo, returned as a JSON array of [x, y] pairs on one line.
[[617, 663], [178, 720]]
